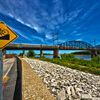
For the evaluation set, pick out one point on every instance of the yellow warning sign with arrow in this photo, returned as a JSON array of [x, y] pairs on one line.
[[6, 35]]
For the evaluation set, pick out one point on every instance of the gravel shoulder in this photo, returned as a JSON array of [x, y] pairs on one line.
[[65, 83], [32, 86]]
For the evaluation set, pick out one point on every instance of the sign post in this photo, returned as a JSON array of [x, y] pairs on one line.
[[6, 37], [1, 75]]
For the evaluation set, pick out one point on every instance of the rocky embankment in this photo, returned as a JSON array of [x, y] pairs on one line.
[[65, 83]]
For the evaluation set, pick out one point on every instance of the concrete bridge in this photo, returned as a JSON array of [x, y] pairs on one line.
[[69, 45]]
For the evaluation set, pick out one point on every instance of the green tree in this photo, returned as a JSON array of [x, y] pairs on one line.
[[30, 53], [21, 54]]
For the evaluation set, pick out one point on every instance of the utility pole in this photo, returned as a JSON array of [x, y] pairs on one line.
[[1, 75], [94, 42], [45, 39], [55, 38]]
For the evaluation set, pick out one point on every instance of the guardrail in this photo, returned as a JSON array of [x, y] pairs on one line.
[[18, 88]]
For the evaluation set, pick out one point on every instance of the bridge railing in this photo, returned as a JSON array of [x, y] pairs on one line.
[[63, 46], [76, 45]]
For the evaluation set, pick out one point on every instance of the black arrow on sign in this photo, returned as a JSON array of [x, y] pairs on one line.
[[5, 37]]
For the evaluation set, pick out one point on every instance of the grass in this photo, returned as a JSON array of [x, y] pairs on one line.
[[68, 60]]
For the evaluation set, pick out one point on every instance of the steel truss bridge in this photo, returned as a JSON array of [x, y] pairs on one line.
[[80, 45], [69, 45]]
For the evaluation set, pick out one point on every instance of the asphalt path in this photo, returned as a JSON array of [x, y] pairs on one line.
[[10, 72]]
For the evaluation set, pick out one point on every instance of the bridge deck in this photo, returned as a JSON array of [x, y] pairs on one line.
[[44, 47]]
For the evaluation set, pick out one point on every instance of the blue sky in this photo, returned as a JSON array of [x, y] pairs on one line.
[[35, 21]]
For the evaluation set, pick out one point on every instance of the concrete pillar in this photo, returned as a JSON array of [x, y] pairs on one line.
[[55, 53], [41, 53], [23, 52], [4, 53], [94, 53]]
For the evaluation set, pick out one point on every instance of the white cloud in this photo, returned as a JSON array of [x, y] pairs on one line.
[[38, 29], [11, 15], [18, 19], [24, 36], [61, 41], [72, 15], [78, 34], [38, 38], [80, 39], [87, 14], [45, 18], [48, 36], [28, 25], [90, 10], [73, 32]]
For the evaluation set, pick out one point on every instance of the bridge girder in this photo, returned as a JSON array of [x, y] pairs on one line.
[[76, 44]]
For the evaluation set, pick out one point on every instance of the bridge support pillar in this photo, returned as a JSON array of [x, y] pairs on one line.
[[94, 53], [4, 52], [23, 52], [55, 53], [41, 53]]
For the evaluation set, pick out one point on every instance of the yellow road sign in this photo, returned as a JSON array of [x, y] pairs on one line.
[[6, 35]]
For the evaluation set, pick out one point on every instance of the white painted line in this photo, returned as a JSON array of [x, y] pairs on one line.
[[9, 69]]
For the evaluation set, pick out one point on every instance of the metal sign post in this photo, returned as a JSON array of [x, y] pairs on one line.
[[6, 37], [1, 75]]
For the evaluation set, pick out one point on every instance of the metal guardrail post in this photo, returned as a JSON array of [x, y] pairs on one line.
[[1, 75]]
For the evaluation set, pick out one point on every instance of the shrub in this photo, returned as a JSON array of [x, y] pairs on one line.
[[68, 60], [30, 53]]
